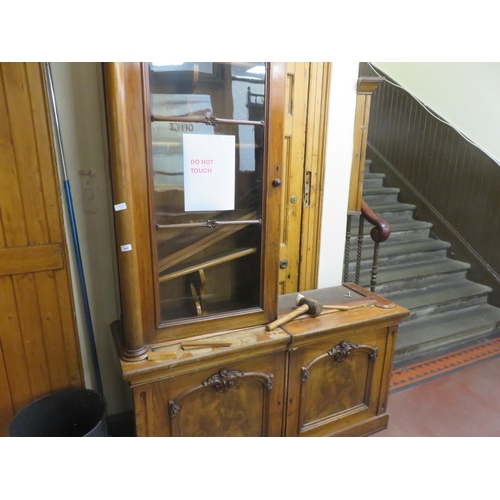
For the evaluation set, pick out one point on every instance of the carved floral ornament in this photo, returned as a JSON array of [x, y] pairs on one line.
[[340, 353], [220, 382], [223, 381]]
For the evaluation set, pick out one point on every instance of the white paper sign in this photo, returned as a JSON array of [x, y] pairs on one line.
[[209, 163]]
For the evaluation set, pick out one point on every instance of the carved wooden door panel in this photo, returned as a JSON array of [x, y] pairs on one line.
[[240, 399], [335, 383], [39, 349]]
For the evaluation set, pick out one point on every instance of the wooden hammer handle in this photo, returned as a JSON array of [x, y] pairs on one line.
[[287, 317]]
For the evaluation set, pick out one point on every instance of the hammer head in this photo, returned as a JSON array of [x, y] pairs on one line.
[[315, 307]]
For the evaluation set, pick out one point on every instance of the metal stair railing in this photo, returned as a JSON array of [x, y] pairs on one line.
[[379, 233]]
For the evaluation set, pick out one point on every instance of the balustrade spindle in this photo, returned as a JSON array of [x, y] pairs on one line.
[[361, 237], [379, 233], [347, 248]]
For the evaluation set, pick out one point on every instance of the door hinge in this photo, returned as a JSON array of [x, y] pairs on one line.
[[307, 189]]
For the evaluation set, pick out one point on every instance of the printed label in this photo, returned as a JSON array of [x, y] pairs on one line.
[[120, 206]]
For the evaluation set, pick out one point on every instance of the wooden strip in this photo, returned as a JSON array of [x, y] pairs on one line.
[[13, 347], [215, 235], [198, 344], [46, 153], [32, 333], [53, 335], [219, 259], [293, 181], [2, 235], [354, 203], [315, 153], [69, 329], [161, 355], [23, 140], [6, 406], [11, 208], [30, 259], [143, 404]]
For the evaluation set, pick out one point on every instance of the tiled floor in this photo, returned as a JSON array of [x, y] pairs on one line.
[[452, 395]]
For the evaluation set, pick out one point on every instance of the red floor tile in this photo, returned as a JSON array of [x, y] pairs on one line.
[[461, 403], [428, 369]]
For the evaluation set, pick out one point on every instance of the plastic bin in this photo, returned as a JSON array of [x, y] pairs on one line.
[[65, 413]]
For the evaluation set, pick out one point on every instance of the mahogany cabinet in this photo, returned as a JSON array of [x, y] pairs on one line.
[[196, 160], [322, 376]]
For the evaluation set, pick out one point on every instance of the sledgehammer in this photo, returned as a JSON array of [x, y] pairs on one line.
[[309, 306]]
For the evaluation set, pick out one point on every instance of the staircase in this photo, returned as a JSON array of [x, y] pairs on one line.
[[415, 272]]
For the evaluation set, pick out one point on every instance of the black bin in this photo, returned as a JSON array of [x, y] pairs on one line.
[[65, 413]]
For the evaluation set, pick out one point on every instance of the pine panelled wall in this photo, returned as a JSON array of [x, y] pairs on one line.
[[39, 351], [453, 184]]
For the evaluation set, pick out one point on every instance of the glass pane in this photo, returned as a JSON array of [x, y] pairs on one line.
[[200, 89], [209, 267]]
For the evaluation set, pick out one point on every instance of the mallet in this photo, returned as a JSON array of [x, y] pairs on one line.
[[309, 306]]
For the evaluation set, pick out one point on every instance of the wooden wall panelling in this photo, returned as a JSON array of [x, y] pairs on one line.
[[38, 336]]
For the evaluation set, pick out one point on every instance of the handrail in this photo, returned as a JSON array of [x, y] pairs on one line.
[[381, 230], [379, 233]]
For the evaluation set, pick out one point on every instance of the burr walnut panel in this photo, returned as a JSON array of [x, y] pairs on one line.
[[236, 399]]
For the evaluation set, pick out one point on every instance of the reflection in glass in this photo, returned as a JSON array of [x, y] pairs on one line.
[[209, 262]]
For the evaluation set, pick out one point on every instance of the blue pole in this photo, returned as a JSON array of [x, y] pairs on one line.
[[74, 233], [86, 306]]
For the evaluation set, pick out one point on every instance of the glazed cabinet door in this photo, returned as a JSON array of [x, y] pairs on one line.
[[196, 177], [238, 399], [338, 383]]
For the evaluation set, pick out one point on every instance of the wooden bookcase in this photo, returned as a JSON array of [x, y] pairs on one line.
[[209, 275]]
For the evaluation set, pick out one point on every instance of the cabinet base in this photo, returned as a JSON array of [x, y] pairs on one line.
[[365, 428]]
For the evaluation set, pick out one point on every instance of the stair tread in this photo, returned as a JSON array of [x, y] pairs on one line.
[[395, 226], [380, 190], [440, 326], [446, 308], [414, 270], [391, 207], [437, 294], [391, 248], [369, 175]]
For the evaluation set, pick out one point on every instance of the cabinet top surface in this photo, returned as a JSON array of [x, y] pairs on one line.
[[363, 307], [178, 355], [366, 309]]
